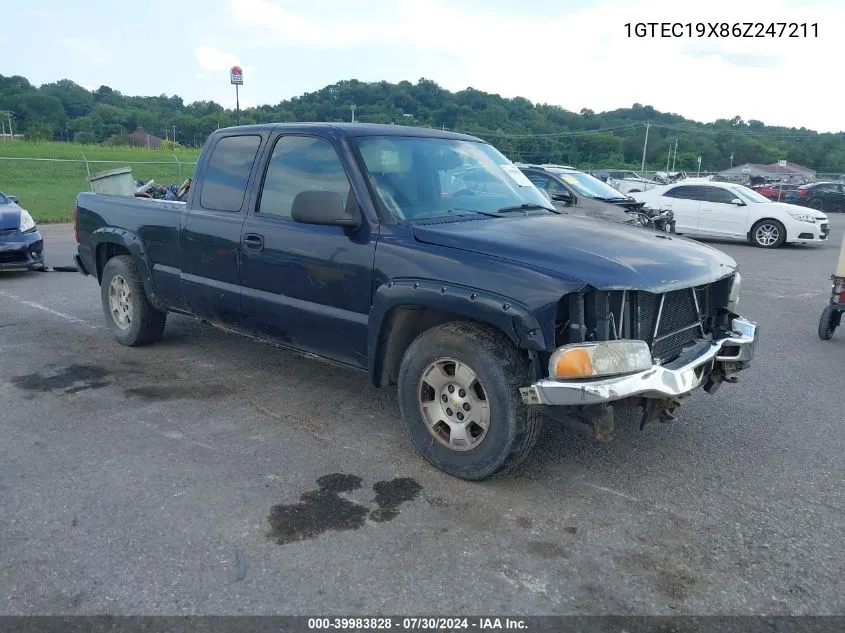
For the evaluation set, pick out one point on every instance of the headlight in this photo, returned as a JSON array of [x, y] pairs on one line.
[[606, 358], [802, 217], [733, 298], [27, 223]]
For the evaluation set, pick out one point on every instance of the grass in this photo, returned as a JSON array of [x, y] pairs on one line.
[[48, 188]]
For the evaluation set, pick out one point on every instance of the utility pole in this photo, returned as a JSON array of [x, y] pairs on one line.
[[732, 160], [675, 156], [645, 146], [9, 117], [174, 133], [352, 107]]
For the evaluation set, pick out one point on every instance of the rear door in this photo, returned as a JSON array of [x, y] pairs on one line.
[[718, 216], [684, 201], [210, 269], [307, 286]]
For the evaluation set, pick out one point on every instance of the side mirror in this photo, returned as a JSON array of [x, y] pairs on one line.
[[13, 199], [738, 202], [323, 208], [562, 196]]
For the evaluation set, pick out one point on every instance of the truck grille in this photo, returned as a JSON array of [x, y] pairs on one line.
[[671, 321]]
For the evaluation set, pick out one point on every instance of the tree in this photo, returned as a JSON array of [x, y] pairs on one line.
[[522, 129]]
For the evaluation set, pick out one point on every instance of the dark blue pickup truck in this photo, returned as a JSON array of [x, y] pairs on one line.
[[488, 308]]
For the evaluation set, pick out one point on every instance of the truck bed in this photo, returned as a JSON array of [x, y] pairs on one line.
[[156, 222]]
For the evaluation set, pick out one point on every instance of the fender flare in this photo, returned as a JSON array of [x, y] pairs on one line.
[[509, 316], [132, 243]]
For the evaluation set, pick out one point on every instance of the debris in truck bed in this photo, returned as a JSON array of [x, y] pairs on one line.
[[152, 189]]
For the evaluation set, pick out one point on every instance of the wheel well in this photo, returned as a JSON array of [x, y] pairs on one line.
[[402, 325], [761, 220], [105, 252]]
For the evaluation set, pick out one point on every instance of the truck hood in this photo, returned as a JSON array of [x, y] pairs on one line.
[[602, 254]]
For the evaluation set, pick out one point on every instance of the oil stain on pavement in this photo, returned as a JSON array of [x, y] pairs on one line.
[[69, 380], [324, 510]]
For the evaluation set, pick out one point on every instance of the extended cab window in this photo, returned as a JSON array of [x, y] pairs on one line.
[[301, 163], [227, 175]]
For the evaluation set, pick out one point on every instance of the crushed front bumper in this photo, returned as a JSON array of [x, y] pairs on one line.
[[21, 251], [683, 375]]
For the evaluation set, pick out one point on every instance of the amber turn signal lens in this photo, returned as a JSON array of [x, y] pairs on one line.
[[574, 363]]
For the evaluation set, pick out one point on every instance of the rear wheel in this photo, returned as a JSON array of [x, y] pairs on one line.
[[768, 234], [129, 314], [459, 398], [827, 322], [817, 204]]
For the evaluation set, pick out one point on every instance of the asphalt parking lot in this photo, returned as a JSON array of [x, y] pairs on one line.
[[165, 480]]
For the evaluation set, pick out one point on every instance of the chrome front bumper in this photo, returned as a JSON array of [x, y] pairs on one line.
[[681, 376]]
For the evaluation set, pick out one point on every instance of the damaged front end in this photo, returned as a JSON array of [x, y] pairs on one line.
[[645, 349]]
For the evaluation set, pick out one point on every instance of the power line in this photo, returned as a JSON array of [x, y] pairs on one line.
[[560, 134]]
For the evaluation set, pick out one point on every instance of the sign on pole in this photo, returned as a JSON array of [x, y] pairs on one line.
[[236, 76], [781, 163]]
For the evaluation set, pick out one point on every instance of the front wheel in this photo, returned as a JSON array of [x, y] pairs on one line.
[[129, 314], [827, 322], [768, 234], [459, 398]]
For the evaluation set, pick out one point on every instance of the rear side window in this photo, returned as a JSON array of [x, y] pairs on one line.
[[541, 182], [716, 194], [685, 192], [227, 175]]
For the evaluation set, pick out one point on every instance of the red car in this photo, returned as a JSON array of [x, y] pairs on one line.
[[774, 191]]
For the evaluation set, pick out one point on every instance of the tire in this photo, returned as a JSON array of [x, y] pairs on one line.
[[512, 427], [816, 204], [768, 234], [129, 314], [827, 324]]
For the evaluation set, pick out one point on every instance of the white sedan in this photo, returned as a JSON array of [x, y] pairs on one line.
[[725, 210]]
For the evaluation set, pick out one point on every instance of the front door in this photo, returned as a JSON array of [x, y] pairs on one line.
[[719, 216], [305, 286]]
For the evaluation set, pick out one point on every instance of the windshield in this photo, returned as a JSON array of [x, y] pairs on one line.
[[418, 178], [749, 195], [589, 186], [4, 199]]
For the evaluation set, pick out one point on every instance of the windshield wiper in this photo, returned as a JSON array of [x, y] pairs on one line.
[[524, 207], [487, 213]]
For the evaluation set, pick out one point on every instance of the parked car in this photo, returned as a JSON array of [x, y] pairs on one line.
[[485, 308], [776, 191], [822, 196], [21, 244], [625, 180], [718, 209], [579, 197], [580, 184]]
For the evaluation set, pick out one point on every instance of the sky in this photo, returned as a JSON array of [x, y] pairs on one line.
[[572, 54]]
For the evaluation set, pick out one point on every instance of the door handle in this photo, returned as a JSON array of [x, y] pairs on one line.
[[253, 241]]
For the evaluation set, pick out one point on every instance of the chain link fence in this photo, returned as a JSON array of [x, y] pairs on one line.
[[47, 187]]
